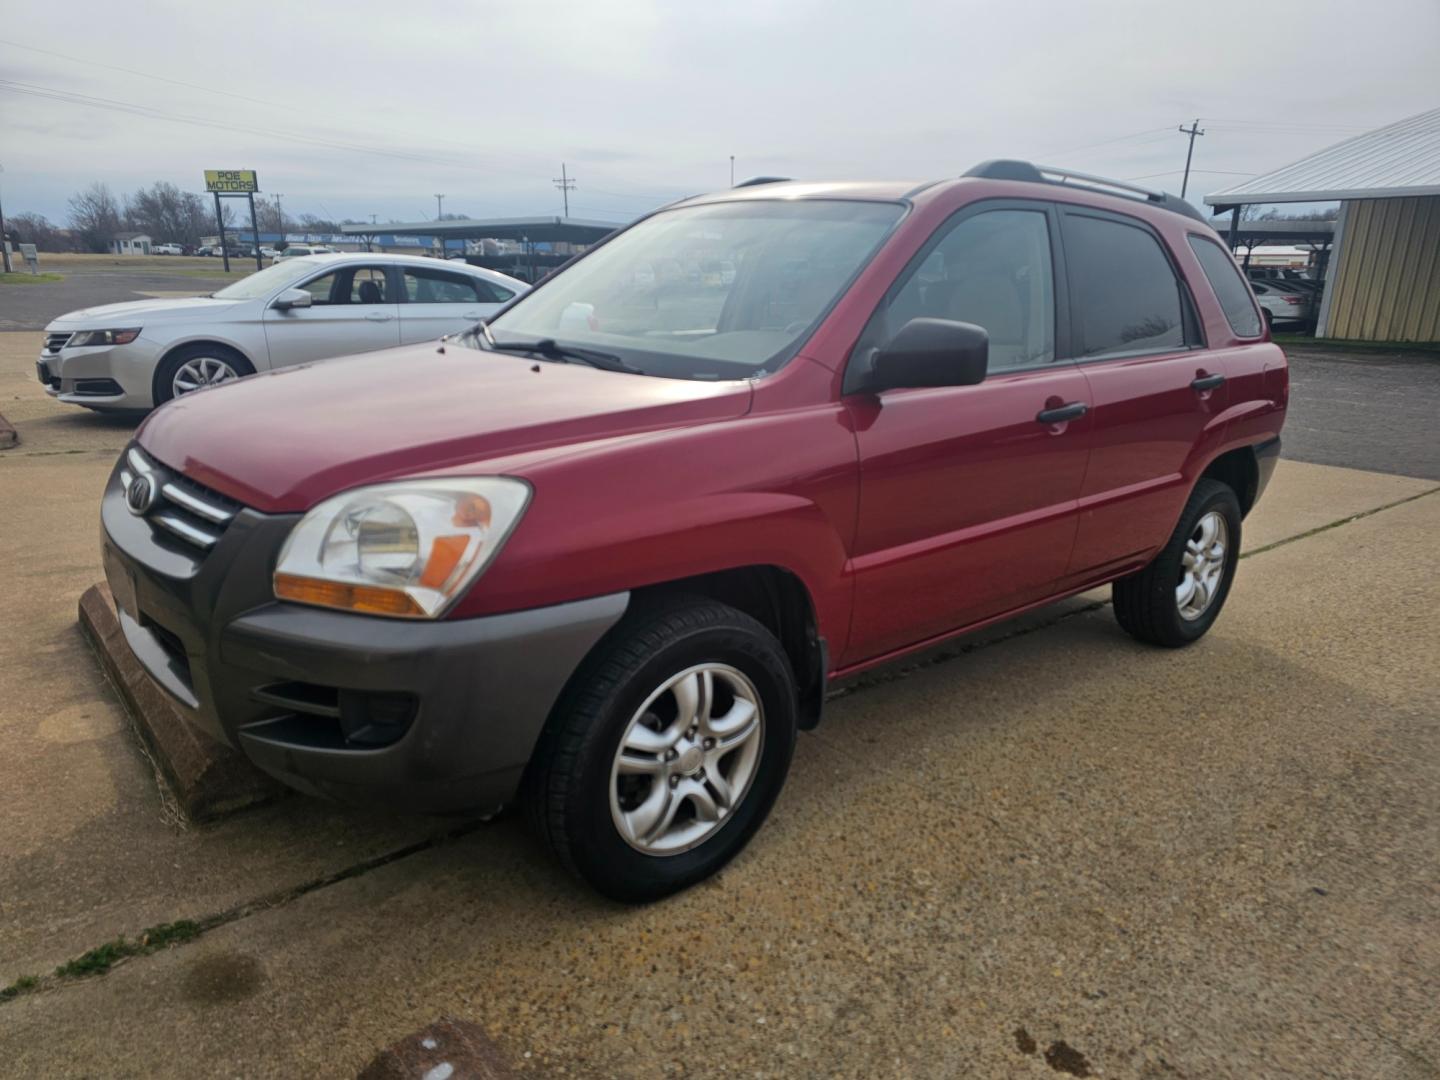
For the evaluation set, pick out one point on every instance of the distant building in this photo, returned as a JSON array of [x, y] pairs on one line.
[[1383, 279], [130, 243]]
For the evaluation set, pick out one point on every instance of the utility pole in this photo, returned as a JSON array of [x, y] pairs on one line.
[[732, 170], [566, 183], [280, 219], [1193, 130], [372, 218], [439, 207], [4, 248]]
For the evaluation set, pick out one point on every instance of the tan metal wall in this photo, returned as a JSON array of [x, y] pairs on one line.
[[1387, 284]]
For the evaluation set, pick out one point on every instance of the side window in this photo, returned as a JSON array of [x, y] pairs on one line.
[[1230, 288], [1123, 290], [321, 289], [993, 270], [368, 286], [425, 286]]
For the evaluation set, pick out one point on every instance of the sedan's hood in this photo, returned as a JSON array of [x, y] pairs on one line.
[[284, 440], [116, 315]]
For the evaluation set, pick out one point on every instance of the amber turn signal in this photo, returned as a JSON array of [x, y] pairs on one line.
[[364, 598]]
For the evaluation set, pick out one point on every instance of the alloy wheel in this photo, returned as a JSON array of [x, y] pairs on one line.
[[201, 371], [686, 759], [1202, 567]]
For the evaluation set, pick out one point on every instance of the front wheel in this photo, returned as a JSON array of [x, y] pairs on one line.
[[666, 753], [1175, 599], [194, 367]]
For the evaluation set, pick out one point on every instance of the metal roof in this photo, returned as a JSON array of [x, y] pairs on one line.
[[575, 230], [1400, 159]]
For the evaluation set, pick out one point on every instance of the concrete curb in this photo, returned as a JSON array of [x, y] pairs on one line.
[[8, 435], [206, 778]]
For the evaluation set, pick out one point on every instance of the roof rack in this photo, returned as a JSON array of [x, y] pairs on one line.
[[754, 180], [1010, 169]]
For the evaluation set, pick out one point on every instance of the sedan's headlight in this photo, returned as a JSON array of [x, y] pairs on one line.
[[103, 337], [408, 548]]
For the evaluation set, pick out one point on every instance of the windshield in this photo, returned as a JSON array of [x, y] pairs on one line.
[[263, 282], [724, 291]]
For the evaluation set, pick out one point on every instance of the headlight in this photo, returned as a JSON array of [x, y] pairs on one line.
[[104, 337], [409, 549]]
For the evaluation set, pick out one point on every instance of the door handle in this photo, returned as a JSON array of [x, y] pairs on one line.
[[472, 315], [1072, 411], [378, 316], [1207, 382]]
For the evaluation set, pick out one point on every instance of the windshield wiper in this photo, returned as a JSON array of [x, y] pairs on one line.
[[552, 350]]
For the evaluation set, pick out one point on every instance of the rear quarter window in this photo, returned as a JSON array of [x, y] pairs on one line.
[[1229, 287]]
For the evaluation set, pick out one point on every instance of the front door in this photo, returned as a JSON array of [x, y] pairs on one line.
[[353, 310], [968, 494]]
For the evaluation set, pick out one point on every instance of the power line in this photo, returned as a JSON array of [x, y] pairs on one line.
[[92, 62], [1105, 142]]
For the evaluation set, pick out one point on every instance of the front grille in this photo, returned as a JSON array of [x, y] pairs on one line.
[[183, 509], [55, 342]]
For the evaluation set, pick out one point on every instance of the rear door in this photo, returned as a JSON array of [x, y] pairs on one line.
[[968, 494], [1153, 385], [353, 310], [437, 301]]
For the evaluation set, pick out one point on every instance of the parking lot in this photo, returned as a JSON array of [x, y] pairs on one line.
[[1046, 849]]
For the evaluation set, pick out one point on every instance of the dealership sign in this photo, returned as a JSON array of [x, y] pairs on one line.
[[231, 181]]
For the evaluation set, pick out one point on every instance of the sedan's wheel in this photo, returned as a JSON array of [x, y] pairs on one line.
[[202, 371], [668, 749], [195, 367], [1175, 599]]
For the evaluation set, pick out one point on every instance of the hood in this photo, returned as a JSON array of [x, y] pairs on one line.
[[284, 440], [114, 315]]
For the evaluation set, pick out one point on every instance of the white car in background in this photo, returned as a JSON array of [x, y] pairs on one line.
[[166, 249], [138, 355], [1283, 303]]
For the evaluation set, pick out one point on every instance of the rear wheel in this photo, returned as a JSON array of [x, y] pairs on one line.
[[1175, 599], [665, 755], [194, 367]]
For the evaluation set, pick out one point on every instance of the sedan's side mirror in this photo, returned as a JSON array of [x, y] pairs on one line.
[[931, 352], [292, 298]]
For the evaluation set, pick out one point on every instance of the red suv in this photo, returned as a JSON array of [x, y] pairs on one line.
[[604, 554]]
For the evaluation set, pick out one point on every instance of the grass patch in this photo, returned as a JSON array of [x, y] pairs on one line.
[[103, 957], [29, 279], [23, 985], [1345, 345]]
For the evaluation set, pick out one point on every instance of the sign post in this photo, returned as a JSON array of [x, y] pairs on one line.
[[238, 182]]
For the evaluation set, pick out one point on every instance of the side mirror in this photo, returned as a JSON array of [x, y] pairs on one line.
[[292, 298], [931, 352]]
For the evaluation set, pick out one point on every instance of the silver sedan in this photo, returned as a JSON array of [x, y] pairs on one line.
[[138, 355]]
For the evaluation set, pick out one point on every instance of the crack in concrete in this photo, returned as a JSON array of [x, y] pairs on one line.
[[26, 985]]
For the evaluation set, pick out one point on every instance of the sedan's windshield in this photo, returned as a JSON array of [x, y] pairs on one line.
[[263, 282], [724, 291]]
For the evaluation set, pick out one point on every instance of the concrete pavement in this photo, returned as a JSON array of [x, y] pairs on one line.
[[1213, 862]]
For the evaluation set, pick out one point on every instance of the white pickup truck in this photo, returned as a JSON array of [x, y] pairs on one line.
[[166, 249]]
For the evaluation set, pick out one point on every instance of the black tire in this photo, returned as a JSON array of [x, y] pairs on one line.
[[568, 788], [162, 389], [1145, 602]]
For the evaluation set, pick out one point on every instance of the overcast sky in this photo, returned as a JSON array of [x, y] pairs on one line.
[[364, 107]]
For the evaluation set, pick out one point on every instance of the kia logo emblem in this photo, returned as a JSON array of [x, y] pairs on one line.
[[140, 495]]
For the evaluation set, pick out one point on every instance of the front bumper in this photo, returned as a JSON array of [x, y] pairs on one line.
[[292, 686], [117, 377]]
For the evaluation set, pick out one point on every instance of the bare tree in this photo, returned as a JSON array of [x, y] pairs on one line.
[[95, 216], [167, 213], [39, 230]]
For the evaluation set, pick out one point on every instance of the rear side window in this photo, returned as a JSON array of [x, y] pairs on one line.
[[426, 286], [1123, 290], [1230, 289]]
